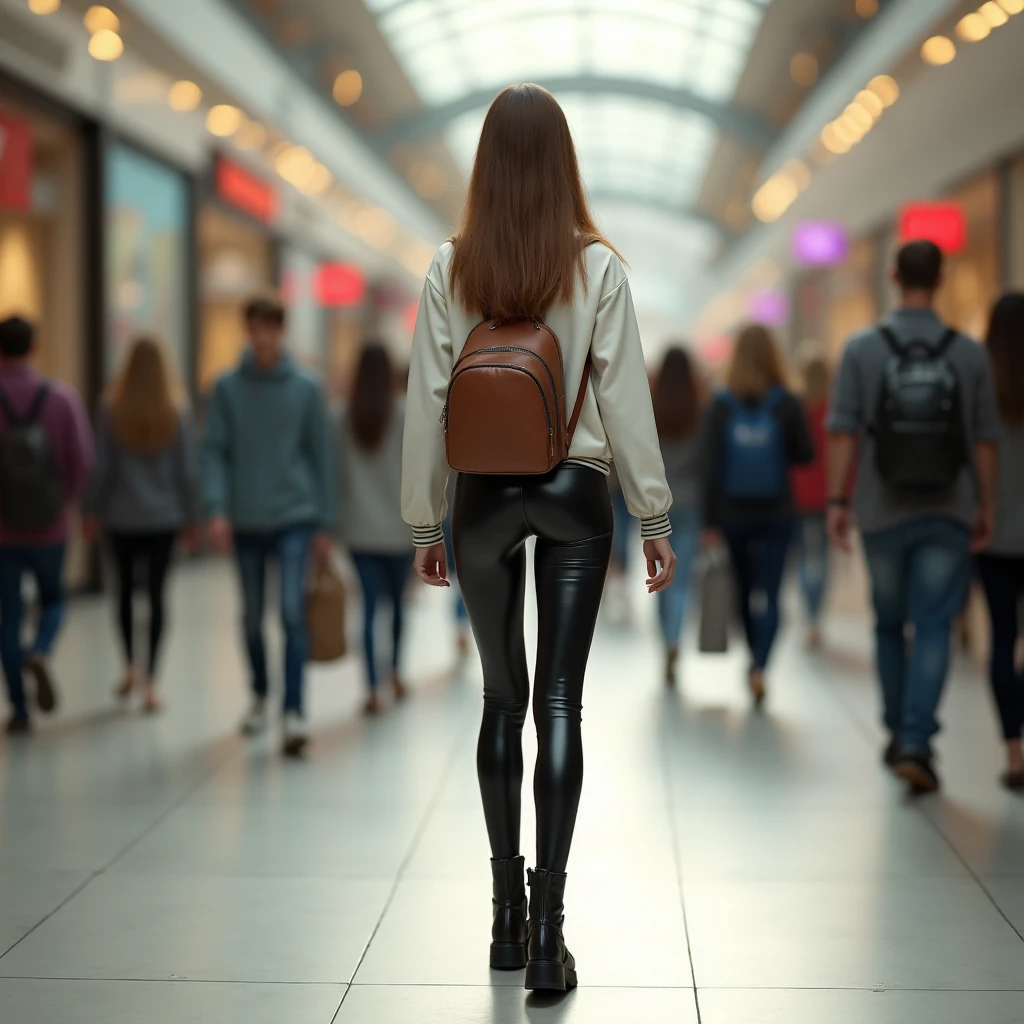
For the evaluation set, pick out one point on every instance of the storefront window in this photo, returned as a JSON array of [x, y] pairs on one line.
[[147, 218]]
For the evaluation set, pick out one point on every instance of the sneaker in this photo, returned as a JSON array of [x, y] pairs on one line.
[[917, 770], [891, 754], [18, 725], [296, 734], [255, 720], [39, 669], [398, 687]]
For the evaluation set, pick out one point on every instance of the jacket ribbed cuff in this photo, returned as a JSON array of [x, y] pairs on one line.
[[655, 527], [426, 536]]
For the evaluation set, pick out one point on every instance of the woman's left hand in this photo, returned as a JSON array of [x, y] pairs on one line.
[[431, 565], [656, 551]]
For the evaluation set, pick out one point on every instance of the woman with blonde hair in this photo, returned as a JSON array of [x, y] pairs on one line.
[[528, 250], [754, 432], [143, 493]]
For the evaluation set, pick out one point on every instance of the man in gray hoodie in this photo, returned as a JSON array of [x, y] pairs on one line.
[[269, 491]]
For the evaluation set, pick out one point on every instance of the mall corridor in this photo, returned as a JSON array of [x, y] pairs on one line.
[[161, 869]]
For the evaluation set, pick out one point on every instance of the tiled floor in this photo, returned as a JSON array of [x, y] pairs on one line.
[[728, 868]]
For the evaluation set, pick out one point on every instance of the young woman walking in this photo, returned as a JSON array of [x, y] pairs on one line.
[[755, 431], [1001, 566], [528, 249], [143, 494], [370, 458], [677, 411]]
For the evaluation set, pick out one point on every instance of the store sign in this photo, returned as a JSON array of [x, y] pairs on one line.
[[820, 243], [339, 285], [15, 163], [769, 307], [243, 189], [941, 223]]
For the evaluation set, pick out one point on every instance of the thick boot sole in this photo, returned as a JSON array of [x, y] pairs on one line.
[[508, 956], [549, 976]]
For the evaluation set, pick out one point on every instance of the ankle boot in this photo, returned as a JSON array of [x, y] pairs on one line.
[[508, 934], [549, 964]]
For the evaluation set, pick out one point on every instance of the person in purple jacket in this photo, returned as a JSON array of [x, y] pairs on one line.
[[45, 458]]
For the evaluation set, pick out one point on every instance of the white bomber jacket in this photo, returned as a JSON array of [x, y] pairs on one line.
[[617, 421]]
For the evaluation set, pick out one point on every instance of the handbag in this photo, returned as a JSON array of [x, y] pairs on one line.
[[325, 614], [716, 603]]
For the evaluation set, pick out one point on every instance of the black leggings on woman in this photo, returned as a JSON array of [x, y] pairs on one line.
[[155, 550], [569, 512], [1002, 576]]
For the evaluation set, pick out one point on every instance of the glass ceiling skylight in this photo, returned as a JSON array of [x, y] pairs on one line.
[[450, 48]]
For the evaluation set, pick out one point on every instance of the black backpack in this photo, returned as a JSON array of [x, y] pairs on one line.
[[31, 492], [920, 437]]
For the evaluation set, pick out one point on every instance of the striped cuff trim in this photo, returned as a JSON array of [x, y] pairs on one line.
[[599, 464], [426, 536], [655, 527]]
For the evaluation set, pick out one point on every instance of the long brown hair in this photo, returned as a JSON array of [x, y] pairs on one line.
[[373, 396], [756, 365], [526, 221], [145, 400], [816, 379], [676, 396], [1005, 343]]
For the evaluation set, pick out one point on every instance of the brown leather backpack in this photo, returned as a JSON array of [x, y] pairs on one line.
[[505, 412]]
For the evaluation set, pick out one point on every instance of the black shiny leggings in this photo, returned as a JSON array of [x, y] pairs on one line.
[[569, 512]]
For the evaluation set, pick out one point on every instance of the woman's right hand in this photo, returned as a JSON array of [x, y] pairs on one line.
[[431, 565], [656, 551]]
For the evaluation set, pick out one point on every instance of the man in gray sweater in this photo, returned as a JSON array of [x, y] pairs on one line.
[[269, 491]]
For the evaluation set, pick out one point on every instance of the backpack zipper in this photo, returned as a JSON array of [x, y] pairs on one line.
[[504, 366]]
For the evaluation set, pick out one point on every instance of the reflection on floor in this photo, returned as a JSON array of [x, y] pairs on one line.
[[163, 870]]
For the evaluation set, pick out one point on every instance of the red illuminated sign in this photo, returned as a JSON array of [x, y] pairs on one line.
[[15, 163], [339, 285], [941, 223], [242, 188]]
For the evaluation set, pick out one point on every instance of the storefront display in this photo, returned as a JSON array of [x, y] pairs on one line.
[[147, 225]]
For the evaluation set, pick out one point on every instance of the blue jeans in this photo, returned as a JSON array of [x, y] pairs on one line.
[[812, 539], [918, 574], [290, 546], [672, 602], [758, 549], [461, 615], [381, 575], [46, 563]]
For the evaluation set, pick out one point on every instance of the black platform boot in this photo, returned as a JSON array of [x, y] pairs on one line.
[[550, 966], [508, 934]]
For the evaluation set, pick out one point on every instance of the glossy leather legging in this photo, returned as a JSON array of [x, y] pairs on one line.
[[569, 512]]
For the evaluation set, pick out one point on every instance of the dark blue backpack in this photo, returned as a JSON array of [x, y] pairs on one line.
[[755, 465]]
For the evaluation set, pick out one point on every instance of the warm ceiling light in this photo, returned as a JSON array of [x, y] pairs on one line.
[[774, 197], [376, 226], [318, 181], [993, 14], [833, 142], [43, 6], [348, 87], [866, 8], [223, 120], [849, 133], [885, 88], [184, 96], [938, 50], [1012, 6], [429, 179], [295, 165], [871, 103], [97, 18], [859, 116], [106, 45], [973, 28], [803, 68], [252, 135]]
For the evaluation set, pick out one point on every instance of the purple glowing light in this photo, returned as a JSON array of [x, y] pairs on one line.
[[820, 243], [769, 307]]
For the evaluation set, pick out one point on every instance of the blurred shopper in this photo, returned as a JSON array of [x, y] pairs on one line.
[[461, 612], [143, 493], [677, 415], [1001, 565], [754, 432], [269, 490], [45, 458], [810, 491], [370, 457], [528, 249], [919, 396]]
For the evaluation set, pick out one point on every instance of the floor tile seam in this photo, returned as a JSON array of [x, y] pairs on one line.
[[513, 985], [850, 988], [148, 830], [172, 981], [428, 813], [922, 813]]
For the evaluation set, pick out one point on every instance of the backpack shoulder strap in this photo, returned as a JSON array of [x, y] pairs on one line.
[[729, 400], [13, 419], [889, 336], [37, 404], [773, 397], [577, 409], [945, 341]]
